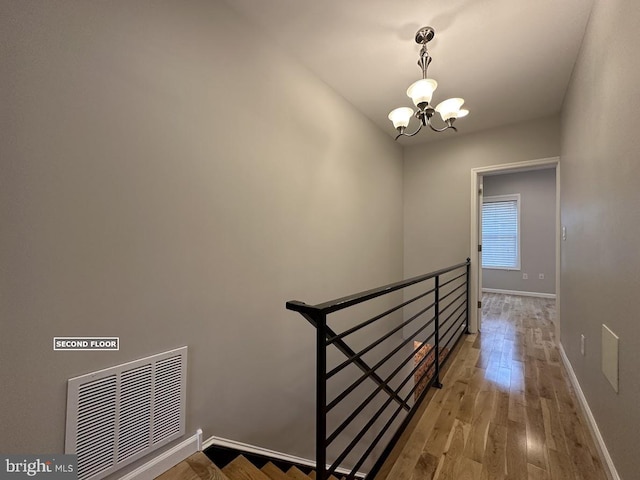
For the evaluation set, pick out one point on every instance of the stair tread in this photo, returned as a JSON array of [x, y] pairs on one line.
[[205, 468], [180, 471], [297, 474], [273, 472], [242, 469], [197, 467]]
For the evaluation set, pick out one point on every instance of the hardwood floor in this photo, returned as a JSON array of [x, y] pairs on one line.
[[507, 410]]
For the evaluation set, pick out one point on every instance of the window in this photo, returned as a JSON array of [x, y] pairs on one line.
[[501, 232]]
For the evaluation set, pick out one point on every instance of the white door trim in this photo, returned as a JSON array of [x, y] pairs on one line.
[[476, 180]]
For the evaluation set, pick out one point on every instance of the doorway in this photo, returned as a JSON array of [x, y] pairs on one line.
[[477, 178]]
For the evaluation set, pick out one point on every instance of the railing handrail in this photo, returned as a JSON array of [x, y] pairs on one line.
[[356, 298]]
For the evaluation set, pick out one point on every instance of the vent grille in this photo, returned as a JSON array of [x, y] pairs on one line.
[[117, 415], [166, 402], [135, 412]]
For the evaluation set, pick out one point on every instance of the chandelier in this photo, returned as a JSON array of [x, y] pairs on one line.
[[421, 92]]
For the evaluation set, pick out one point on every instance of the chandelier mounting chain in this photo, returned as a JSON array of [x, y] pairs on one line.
[[421, 93]]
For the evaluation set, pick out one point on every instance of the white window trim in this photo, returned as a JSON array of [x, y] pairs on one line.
[[508, 198]]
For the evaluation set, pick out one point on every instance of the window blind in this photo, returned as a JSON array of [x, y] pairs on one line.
[[500, 247]]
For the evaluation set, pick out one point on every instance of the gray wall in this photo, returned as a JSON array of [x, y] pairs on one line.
[[537, 191], [437, 203], [169, 181], [600, 266]]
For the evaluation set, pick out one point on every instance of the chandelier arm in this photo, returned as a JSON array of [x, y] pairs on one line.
[[409, 134], [439, 129], [446, 127]]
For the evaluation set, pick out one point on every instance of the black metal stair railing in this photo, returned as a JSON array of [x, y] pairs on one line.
[[436, 329]]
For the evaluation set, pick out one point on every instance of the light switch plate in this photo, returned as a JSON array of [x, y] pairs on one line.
[[610, 356]]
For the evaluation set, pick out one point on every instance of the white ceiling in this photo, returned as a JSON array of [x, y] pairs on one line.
[[509, 59]]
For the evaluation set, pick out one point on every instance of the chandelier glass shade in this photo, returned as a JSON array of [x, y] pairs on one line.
[[421, 92]]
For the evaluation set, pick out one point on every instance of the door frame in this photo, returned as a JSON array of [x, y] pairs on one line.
[[475, 319]]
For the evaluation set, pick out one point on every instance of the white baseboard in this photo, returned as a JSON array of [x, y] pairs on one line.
[[609, 467], [163, 462], [285, 457], [518, 292]]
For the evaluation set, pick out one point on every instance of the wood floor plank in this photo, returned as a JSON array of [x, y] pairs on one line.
[[468, 470], [442, 429], [552, 427], [516, 451], [495, 454], [560, 465], [426, 467], [536, 453], [453, 450], [536, 473], [475, 446], [501, 408]]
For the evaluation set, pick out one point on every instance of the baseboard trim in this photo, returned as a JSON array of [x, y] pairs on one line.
[[163, 462], [609, 467], [285, 457], [518, 292]]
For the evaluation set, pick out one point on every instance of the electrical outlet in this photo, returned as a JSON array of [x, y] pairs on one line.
[[525, 276], [541, 276], [582, 344]]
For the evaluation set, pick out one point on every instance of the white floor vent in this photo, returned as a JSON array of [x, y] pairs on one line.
[[118, 415]]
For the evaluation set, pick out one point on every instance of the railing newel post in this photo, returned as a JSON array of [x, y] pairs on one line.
[[436, 381], [321, 395], [466, 330]]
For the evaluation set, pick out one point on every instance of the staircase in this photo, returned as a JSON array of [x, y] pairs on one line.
[[199, 467]]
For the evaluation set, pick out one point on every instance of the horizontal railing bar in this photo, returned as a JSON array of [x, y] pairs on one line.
[[355, 385], [454, 346], [453, 301], [377, 317], [453, 324], [377, 342], [350, 300], [454, 279], [361, 407], [456, 330], [452, 291], [373, 419], [462, 304]]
